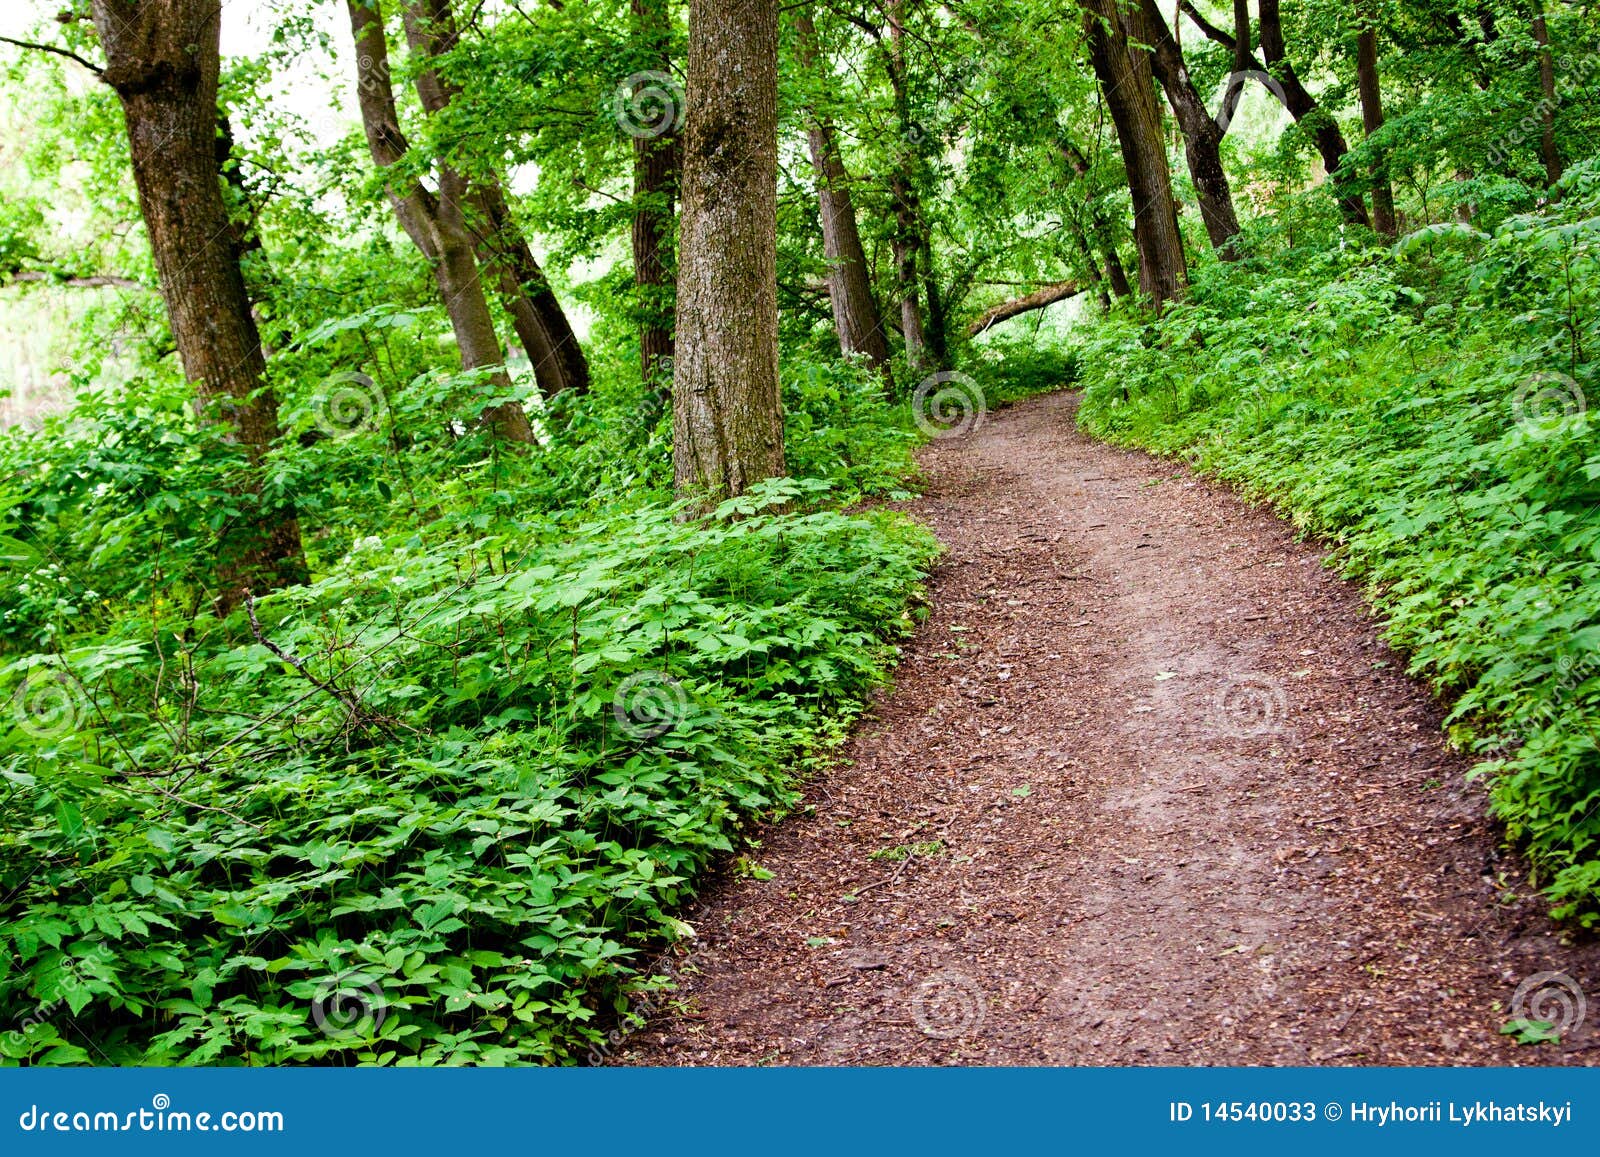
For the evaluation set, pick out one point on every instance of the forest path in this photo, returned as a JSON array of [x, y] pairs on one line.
[[1163, 798]]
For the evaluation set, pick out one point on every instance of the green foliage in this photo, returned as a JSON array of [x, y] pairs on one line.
[[1429, 412], [420, 785]]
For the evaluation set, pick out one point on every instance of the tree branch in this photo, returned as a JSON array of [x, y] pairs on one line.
[[51, 48], [1038, 299]]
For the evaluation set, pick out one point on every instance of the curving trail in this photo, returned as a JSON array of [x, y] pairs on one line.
[[1148, 790]]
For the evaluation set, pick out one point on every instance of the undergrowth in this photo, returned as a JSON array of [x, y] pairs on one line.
[[434, 806], [1425, 409]]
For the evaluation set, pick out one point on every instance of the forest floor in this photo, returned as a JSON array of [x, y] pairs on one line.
[[1149, 789]]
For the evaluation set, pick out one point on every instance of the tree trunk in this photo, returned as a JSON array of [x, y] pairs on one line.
[[655, 185], [855, 311], [1125, 82], [1292, 94], [906, 240], [937, 330], [1202, 133], [1548, 149], [1307, 113], [541, 324], [1371, 121], [436, 225], [163, 62], [727, 411]]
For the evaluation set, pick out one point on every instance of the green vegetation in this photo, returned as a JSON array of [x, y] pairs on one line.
[[444, 478], [1425, 409]]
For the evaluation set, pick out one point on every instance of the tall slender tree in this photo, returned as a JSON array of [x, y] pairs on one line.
[[1126, 84], [655, 184], [727, 411], [855, 310], [1371, 90], [907, 241], [163, 61], [1202, 132], [541, 325], [436, 223], [1549, 150], [1292, 94]]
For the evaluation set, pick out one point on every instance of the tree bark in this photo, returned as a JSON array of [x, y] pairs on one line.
[[540, 323], [1038, 299], [727, 410], [906, 240], [1294, 97], [655, 185], [855, 310], [1202, 133], [1548, 149], [1125, 80], [163, 62], [1371, 89], [437, 225]]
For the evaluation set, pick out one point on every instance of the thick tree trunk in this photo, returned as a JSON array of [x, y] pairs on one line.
[[1371, 89], [503, 251], [855, 311], [163, 63], [437, 225], [1202, 133], [655, 186], [1548, 149], [1126, 84], [727, 411]]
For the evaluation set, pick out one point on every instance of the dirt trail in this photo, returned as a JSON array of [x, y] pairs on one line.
[[1160, 794]]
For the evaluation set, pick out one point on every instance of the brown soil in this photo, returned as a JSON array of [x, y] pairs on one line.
[[1161, 794]]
